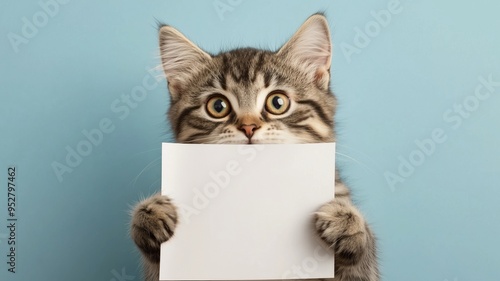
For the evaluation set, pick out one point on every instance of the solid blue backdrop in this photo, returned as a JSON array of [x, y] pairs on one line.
[[82, 116]]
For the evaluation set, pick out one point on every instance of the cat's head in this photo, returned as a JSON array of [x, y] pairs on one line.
[[250, 95]]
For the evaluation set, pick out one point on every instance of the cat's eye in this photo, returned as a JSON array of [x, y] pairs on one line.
[[218, 106], [277, 102]]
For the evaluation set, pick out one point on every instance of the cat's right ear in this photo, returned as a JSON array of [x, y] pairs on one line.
[[311, 48], [180, 58]]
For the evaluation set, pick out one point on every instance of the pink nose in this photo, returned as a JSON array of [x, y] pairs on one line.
[[248, 129]]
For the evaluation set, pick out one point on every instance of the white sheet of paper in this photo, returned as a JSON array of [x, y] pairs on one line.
[[246, 211]]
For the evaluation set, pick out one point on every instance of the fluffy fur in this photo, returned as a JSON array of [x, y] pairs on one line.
[[248, 96]]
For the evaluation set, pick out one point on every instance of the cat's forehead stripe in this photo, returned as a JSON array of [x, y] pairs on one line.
[[242, 65], [222, 81], [258, 65], [267, 79]]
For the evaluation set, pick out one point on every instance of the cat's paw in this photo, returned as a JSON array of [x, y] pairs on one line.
[[343, 228], [153, 222]]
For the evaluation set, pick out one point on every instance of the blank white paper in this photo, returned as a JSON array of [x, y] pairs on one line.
[[246, 211]]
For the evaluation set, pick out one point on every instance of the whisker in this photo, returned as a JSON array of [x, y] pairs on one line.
[[155, 183], [358, 151], [356, 161], [144, 169]]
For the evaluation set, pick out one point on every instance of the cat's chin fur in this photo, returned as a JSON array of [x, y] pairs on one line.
[[251, 141], [262, 141]]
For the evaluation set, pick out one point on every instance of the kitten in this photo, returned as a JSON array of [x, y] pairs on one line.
[[248, 96]]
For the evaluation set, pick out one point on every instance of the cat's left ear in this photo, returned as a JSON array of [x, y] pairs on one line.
[[180, 59], [311, 48]]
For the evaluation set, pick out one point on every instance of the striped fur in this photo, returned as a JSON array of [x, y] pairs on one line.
[[245, 78]]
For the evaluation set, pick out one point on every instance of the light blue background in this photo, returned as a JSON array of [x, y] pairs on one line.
[[441, 223]]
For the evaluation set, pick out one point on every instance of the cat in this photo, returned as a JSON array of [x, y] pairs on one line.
[[252, 96]]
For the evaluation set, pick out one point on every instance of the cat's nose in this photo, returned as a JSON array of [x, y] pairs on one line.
[[248, 129]]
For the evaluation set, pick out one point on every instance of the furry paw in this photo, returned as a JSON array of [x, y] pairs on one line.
[[341, 226], [153, 222]]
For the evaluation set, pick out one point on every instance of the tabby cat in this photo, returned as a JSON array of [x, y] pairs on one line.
[[251, 96]]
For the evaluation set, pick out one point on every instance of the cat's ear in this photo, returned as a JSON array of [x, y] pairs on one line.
[[311, 48], [180, 58]]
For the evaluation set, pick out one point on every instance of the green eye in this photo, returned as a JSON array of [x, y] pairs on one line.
[[218, 106], [277, 102]]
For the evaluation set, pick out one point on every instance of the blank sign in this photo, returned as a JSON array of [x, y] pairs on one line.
[[246, 211]]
